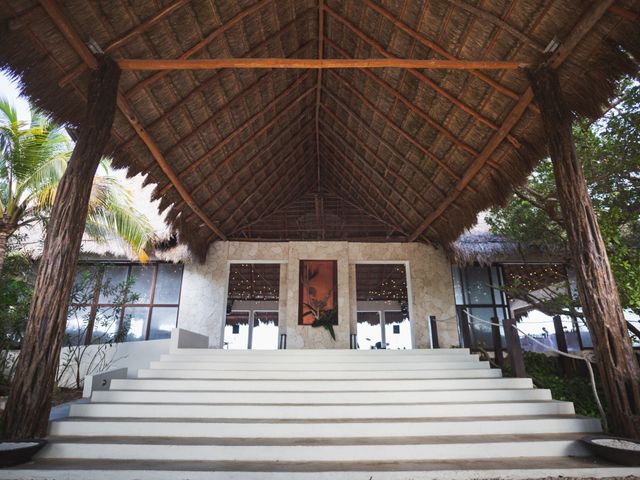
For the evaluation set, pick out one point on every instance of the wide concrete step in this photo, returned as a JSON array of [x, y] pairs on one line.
[[319, 375], [275, 359], [320, 385], [337, 412], [310, 367], [315, 398], [199, 428], [322, 353], [435, 448]]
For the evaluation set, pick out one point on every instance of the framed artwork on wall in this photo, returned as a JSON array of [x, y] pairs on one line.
[[318, 292]]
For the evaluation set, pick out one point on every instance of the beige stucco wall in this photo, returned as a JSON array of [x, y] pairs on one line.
[[203, 300]]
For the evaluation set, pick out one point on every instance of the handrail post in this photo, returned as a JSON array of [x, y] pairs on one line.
[[465, 332], [514, 348], [433, 327], [561, 341], [497, 341], [283, 341]]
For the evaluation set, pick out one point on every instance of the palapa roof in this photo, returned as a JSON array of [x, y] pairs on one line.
[[423, 150]]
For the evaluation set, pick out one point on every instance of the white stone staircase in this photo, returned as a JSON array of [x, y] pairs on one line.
[[253, 413]]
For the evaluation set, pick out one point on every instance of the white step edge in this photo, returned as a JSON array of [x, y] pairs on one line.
[[334, 353], [301, 412], [319, 385], [277, 359], [316, 453], [319, 375], [308, 367], [312, 398], [199, 429]]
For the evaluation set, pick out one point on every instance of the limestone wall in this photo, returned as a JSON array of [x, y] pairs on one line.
[[203, 300]]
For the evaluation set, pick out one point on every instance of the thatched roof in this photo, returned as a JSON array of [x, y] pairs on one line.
[[487, 249], [424, 150]]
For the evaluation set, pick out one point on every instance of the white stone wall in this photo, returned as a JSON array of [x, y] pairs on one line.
[[204, 290]]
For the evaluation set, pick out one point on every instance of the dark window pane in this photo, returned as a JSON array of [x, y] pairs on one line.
[[141, 278], [476, 282], [77, 321], [135, 323], [84, 284], [163, 320], [106, 325], [168, 284], [113, 280]]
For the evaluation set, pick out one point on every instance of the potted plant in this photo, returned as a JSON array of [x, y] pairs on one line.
[[15, 452]]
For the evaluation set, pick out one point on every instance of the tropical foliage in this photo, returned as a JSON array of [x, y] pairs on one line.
[[610, 154], [33, 156]]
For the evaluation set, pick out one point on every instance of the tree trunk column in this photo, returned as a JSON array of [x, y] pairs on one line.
[[618, 368], [27, 411], [3, 247]]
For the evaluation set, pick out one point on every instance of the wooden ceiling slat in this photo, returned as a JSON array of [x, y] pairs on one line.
[[420, 76], [586, 22], [321, 9], [127, 37], [69, 32], [147, 82]]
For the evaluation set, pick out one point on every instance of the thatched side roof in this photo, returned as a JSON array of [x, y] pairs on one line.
[[487, 249], [425, 150]]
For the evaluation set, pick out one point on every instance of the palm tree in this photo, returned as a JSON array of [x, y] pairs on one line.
[[33, 157]]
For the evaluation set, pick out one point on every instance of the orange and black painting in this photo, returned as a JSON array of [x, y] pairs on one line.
[[318, 291]]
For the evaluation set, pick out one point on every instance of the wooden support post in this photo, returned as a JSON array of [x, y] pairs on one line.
[[433, 325], [618, 367], [497, 341], [465, 332], [514, 349], [27, 411], [561, 340]]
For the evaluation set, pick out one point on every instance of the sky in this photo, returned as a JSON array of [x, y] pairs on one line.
[[10, 89]]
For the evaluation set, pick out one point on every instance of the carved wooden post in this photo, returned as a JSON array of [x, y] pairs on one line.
[[497, 341], [514, 349], [618, 367], [433, 324], [27, 411], [465, 331]]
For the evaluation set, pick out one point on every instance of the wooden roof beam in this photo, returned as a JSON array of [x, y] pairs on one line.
[[420, 76], [346, 181], [410, 106], [260, 154], [420, 38], [199, 46], [584, 25], [319, 84], [127, 37], [69, 32], [256, 135], [163, 66]]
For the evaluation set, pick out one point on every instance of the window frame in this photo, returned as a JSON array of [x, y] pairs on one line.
[[150, 305]]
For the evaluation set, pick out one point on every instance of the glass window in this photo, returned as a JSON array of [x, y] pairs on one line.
[[163, 320], [168, 284], [135, 302], [113, 280], [141, 278], [476, 286]]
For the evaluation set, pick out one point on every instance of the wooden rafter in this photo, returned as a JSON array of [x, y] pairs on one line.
[[163, 66], [319, 83], [199, 46], [260, 154], [348, 183], [361, 174], [410, 105], [71, 35], [584, 25], [436, 48], [300, 166], [204, 85], [498, 22], [127, 37], [420, 76], [227, 160]]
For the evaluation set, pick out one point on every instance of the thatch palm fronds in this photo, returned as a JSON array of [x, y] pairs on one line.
[[33, 158]]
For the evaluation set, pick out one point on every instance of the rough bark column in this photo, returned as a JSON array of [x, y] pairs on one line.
[[27, 411], [618, 368]]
